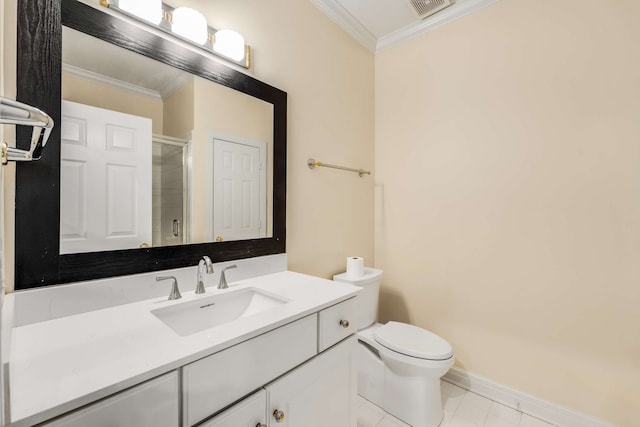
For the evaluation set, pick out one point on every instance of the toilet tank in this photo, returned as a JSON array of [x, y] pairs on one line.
[[367, 301]]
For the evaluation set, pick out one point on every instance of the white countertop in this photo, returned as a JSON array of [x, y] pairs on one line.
[[62, 364]]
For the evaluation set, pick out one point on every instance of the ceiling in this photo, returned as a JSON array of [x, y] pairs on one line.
[[380, 24]]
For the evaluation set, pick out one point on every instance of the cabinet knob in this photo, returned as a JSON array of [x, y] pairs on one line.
[[278, 415], [344, 323], [261, 425]]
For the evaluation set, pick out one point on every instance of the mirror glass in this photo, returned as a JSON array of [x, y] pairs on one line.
[[154, 156]]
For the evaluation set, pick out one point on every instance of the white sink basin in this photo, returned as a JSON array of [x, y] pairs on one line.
[[208, 312]]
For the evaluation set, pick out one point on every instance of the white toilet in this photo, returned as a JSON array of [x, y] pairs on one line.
[[399, 365]]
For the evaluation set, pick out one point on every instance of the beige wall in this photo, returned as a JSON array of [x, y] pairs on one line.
[[8, 89], [508, 196], [178, 111], [100, 95]]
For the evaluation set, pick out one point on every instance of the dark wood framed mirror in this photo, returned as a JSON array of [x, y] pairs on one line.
[[38, 261]]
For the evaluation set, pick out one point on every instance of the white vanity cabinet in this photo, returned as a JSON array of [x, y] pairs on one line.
[[319, 393], [248, 413], [218, 380], [292, 365], [154, 403]]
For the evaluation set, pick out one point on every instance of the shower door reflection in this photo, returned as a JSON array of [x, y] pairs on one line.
[[170, 191]]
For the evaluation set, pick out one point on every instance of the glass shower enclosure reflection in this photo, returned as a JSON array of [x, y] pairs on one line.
[[170, 191]]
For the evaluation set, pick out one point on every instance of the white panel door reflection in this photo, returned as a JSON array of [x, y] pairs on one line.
[[105, 182], [239, 190]]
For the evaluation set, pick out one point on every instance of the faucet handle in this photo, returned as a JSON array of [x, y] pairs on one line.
[[223, 277], [175, 292]]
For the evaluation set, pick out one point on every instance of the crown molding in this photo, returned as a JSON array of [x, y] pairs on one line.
[[347, 22], [443, 17], [336, 12]]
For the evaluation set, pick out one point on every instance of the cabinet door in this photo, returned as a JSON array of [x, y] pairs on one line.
[[320, 393], [250, 412], [212, 383], [151, 404]]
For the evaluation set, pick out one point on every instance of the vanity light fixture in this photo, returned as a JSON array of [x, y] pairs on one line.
[[229, 43], [149, 10], [188, 25]]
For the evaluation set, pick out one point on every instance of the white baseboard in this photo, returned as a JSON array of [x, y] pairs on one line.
[[531, 405]]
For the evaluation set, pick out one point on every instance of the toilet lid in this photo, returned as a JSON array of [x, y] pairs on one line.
[[413, 341]]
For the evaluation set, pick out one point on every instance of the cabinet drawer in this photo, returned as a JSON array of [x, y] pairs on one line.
[[218, 380], [249, 412], [336, 323], [151, 404]]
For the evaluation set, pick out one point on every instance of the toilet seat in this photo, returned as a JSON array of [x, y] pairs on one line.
[[413, 341]]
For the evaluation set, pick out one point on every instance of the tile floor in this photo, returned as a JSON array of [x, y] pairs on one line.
[[462, 408]]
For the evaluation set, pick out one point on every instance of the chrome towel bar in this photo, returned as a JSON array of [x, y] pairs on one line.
[[17, 113], [312, 164]]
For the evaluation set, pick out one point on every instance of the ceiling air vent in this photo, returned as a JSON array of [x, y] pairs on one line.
[[425, 8]]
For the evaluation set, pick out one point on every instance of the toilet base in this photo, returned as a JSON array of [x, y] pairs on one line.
[[416, 400]]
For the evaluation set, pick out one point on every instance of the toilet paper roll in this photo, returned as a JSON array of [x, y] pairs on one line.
[[355, 267]]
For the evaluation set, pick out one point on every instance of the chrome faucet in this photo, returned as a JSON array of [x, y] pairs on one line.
[[204, 265], [175, 292], [223, 278]]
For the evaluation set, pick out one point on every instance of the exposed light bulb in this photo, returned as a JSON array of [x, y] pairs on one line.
[[230, 44], [190, 24], [149, 10]]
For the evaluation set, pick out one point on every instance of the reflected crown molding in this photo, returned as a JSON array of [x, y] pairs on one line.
[[171, 86], [109, 81]]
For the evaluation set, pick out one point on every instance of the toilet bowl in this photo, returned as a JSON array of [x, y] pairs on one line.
[[399, 365]]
